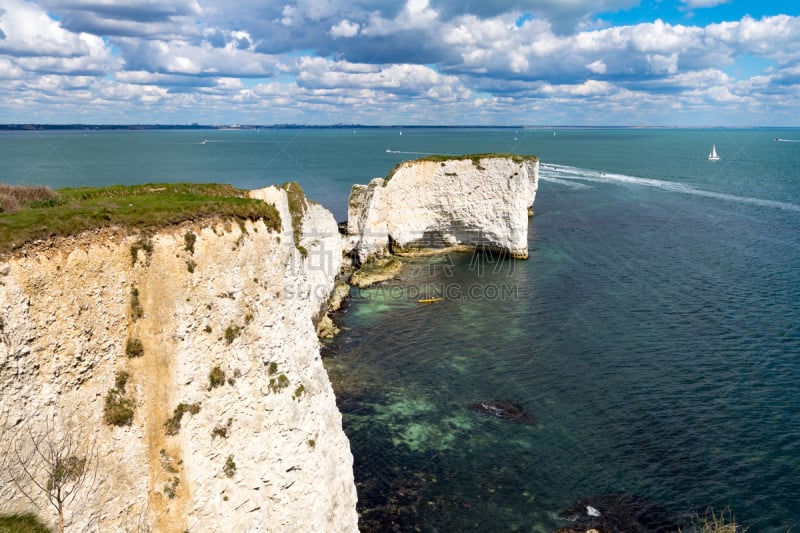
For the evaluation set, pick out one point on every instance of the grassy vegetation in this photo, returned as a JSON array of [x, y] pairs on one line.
[[134, 348], [12, 197], [118, 410], [297, 207], [279, 383], [31, 213], [173, 425], [475, 158], [231, 332], [724, 522], [22, 523], [137, 311], [216, 378], [230, 466], [222, 431]]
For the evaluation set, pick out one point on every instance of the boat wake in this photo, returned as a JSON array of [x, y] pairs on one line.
[[569, 176], [787, 140]]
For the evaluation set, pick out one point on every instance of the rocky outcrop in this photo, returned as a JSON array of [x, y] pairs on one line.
[[219, 315], [479, 201], [503, 409]]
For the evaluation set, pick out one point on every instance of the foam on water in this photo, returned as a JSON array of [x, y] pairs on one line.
[[564, 175]]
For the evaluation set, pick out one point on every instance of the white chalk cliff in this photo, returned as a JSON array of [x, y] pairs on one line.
[[468, 201], [264, 452]]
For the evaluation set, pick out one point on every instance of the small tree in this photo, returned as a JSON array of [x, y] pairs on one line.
[[53, 464]]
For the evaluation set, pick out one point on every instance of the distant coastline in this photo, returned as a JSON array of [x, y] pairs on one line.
[[195, 126]]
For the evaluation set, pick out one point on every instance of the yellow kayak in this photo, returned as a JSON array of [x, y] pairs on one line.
[[430, 300]]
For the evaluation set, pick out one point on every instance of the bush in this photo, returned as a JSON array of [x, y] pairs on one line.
[[189, 240], [230, 466], [134, 348], [713, 523], [118, 410], [232, 332], [22, 523], [137, 311], [173, 425], [299, 391], [279, 383], [13, 197], [222, 431], [216, 377], [143, 244], [171, 488]]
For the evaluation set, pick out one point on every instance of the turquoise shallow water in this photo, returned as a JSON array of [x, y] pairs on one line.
[[654, 334]]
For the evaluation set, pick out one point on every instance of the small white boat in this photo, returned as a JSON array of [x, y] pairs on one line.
[[713, 155]]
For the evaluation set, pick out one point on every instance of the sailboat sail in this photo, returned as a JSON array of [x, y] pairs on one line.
[[713, 155]]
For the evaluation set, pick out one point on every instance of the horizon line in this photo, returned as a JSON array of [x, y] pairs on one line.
[[237, 126]]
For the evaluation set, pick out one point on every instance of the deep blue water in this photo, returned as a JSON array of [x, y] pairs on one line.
[[654, 334]]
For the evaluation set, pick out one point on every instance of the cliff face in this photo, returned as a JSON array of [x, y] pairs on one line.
[[473, 201], [223, 314]]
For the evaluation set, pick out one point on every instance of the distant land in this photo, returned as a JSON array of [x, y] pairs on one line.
[[195, 126], [37, 127]]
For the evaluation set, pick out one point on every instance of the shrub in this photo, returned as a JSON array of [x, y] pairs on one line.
[[118, 410], [299, 391], [713, 523], [134, 348], [230, 466], [279, 383], [142, 244], [137, 311], [272, 367], [171, 488], [173, 425], [232, 332], [13, 197], [222, 431], [189, 239], [22, 523], [216, 377], [120, 380], [190, 266]]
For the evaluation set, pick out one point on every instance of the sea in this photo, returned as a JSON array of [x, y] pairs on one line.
[[653, 336]]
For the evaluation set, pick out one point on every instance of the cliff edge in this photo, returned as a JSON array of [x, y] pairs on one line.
[[181, 372], [473, 201]]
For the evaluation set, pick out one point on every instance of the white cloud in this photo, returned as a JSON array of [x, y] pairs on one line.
[[416, 14], [29, 31], [344, 28], [691, 4], [491, 58], [597, 67]]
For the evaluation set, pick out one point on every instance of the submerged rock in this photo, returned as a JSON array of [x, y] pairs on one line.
[[616, 513], [503, 409]]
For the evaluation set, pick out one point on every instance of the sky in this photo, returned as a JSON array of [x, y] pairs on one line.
[[451, 62]]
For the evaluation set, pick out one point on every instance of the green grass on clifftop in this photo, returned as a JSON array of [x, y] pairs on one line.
[[22, 523], [139, 207]]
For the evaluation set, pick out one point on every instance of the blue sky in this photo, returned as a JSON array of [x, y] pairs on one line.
[[505, 62]]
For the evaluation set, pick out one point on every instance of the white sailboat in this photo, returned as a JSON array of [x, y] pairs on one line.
[[713, 155]]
